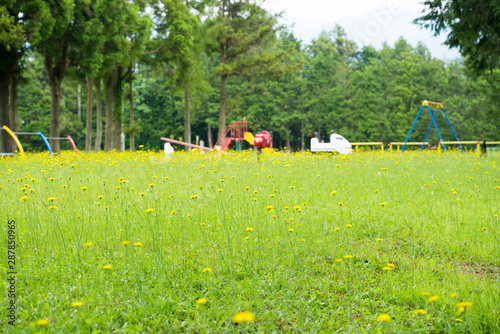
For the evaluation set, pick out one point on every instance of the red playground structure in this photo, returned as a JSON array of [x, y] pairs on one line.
[[236, 132]]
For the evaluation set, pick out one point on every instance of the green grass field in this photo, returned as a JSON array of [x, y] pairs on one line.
[[370, 242]]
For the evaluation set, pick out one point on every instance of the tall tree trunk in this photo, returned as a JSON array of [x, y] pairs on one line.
[[79, 100], [14, 82], [117, 111], [55, 111], [319, 134], [98, 134], [4, 110], [288, 136], [111, 79], [56, 71], [88, 132], [302, 148], [187, 117], [117, 133], [222, 113], [210, 143], [131, 112]]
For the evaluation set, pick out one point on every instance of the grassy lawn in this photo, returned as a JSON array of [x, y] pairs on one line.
[[130, 243]]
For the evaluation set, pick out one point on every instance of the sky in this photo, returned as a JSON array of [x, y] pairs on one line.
[[367, 22]]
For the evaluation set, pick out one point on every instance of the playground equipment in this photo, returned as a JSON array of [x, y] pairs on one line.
[[374, 143], [439, 106], [236, 132], [16, 140], [173, 141], [337, 144], [64, 138], [414, 143], [260, 140], [39, 133], [473, 142]]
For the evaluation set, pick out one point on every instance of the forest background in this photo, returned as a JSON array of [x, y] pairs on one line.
[[96, 69]]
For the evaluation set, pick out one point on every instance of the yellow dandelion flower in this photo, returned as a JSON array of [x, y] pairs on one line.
[[425, 293], [340, 203], [137, 244], [172, 213], [383, 204], [419, 312], [88, 244], [333, 192], [337, 229], [347, 256], [291, 230], [386, 268], [52, 178], [42, 322], [432, 299], [100, 197], [107, 267], [195, 196], [64, 186], [52, 199], [348, 225], [338, 260], [465, 305], [270, 208], [219, 190], [453, 295], [384, 317], [142, 194], [151, 184], [118, 187], [76, 304], [391, 265], [201, 301], [150, 210], [24, 198], [379, 239], [458, 320], [206, 270], [84, 188], [52, 207], [249, 229], [125, 242], [247, 188], [243, 317], [273, 216]]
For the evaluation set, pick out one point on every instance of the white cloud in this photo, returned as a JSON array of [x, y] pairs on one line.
[[328, 10], [370, 22]]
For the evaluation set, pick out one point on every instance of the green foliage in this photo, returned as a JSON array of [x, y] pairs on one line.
[[472, 26]]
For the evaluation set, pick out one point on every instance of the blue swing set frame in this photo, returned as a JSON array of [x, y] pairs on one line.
[[439, 106]]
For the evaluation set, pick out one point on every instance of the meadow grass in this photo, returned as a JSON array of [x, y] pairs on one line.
[[369, 242]]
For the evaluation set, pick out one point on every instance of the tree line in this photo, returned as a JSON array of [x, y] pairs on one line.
[[186, 68]]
